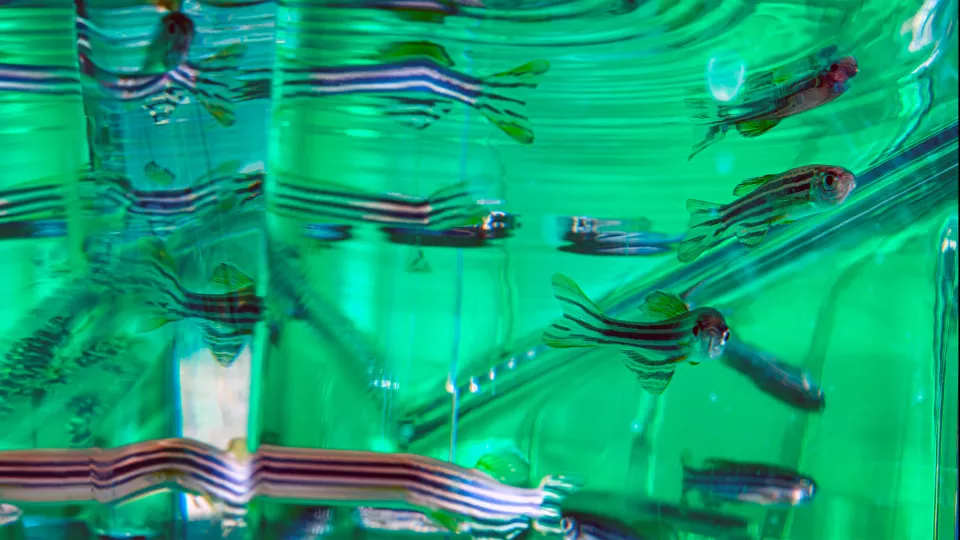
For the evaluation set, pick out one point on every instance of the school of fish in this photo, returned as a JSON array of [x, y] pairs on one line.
[[135, 288]]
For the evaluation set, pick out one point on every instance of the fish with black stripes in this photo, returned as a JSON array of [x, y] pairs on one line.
[[652, 350], [720, 481], [765, 201], [792, 94], [312, 200], [420, 85]]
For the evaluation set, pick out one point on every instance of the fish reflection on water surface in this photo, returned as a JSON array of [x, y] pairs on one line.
[[217, 192], [160, 93], [313, 201], [467, 499], [419, 84], [613, 237]]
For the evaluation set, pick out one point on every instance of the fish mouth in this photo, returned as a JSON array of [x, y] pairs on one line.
[[715, 347]]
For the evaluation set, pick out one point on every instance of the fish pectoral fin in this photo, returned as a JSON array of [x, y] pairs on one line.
[[753, 235], [444, 519], [694, 363], [750, 185], [663, 305], [417, 113], [652, 376], [157, 174], [755, 128]]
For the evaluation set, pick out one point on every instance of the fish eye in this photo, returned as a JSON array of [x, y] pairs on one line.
[[696, 330], [830, 181], [834, 67], [171, 28]]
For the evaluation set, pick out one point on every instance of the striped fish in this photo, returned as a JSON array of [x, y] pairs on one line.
[[765, 201], [421, 84], [46, 80], [787, 383], [234, 478], [652, 350], [313, 201], [35, 210], [166, 210], [721, 480], [797, 95]]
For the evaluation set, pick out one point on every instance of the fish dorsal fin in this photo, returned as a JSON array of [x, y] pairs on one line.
[[157, 174], [663, 305], [409, 50], [752, 184], [237, 449], [231, 278], [507, 466]]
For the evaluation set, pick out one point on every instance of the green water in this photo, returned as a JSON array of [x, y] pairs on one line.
[[857, 306]]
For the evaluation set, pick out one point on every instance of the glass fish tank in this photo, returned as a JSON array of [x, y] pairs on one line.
[[494, 269]]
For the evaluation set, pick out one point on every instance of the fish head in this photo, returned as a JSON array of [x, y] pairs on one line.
[[839, 74], [843, 69], [803, 491], [831, 186], [710, 333], [176, 32]]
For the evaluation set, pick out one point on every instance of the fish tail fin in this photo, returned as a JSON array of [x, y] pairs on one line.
[[505, 111], [714, 135], [224, 346], [701, 231], [581, 317], [556, 489]]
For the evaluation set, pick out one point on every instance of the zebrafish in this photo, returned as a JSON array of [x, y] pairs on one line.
[[314, 201], [588, 526], [44, 80], [755, 119], [765, 201], [719, 481], [652, 350], [789, 384], [420, 84], [687, 521]]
